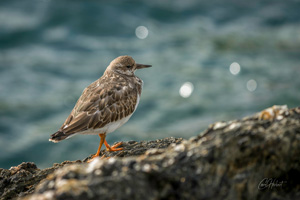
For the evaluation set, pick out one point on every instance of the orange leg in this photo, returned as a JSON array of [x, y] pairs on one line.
[[102, 140], [108, 147], [114, 147]]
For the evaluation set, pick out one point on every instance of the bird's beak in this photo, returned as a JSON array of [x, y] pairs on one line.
[[141, 66]]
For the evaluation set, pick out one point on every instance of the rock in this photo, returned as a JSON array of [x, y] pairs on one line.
[[133, 148], [252, 158], [21, 180]]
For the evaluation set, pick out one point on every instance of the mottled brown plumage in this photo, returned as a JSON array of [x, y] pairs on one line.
[[107, 103]]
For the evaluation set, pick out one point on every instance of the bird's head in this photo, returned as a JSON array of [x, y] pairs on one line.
[[125, 65]]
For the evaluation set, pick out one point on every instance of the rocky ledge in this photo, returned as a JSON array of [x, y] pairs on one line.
[[253, 158]]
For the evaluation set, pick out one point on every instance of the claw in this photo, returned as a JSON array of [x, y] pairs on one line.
[[114, 147]]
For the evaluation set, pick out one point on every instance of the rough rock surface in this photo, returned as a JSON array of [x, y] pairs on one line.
[[133, 148], [22, 179], [252, 158]]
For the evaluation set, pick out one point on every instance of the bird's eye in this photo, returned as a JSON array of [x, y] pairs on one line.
[[128, 67]]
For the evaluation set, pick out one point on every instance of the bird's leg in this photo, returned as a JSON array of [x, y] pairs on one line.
[[114, 147], [102, 140]]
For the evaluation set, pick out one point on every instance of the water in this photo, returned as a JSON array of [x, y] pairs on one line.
[[51, 50]]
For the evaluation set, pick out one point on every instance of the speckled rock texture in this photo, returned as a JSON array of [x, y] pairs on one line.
[[251, 158], [133, 148], [21, 180]]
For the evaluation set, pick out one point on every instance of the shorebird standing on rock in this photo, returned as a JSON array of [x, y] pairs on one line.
[[106, 104]]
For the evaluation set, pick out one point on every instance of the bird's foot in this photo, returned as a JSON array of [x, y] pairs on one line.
[[92, 158], [114, 147], [102, 157], [108, 148]]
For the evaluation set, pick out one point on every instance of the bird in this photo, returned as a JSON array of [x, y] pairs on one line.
[[106, 104]]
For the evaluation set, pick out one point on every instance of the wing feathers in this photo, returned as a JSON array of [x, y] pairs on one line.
[[104, 101], [77, 124], [94, 120]]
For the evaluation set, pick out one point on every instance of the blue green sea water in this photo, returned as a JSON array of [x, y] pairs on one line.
[[212, 60]]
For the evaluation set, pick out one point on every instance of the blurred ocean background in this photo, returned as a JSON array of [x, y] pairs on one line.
[[212, 60]]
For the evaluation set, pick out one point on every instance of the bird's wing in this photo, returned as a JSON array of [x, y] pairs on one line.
[[100, 104]]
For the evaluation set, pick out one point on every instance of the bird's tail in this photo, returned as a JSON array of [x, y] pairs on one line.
[[58, 136]]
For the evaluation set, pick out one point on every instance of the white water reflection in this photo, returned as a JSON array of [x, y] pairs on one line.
[[251, 85], [141, 32], [186, 89], [235, 68]]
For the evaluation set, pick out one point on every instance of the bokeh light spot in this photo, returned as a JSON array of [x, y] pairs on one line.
[[251, 85], [186, 89], [141, 32], [235, 68]]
